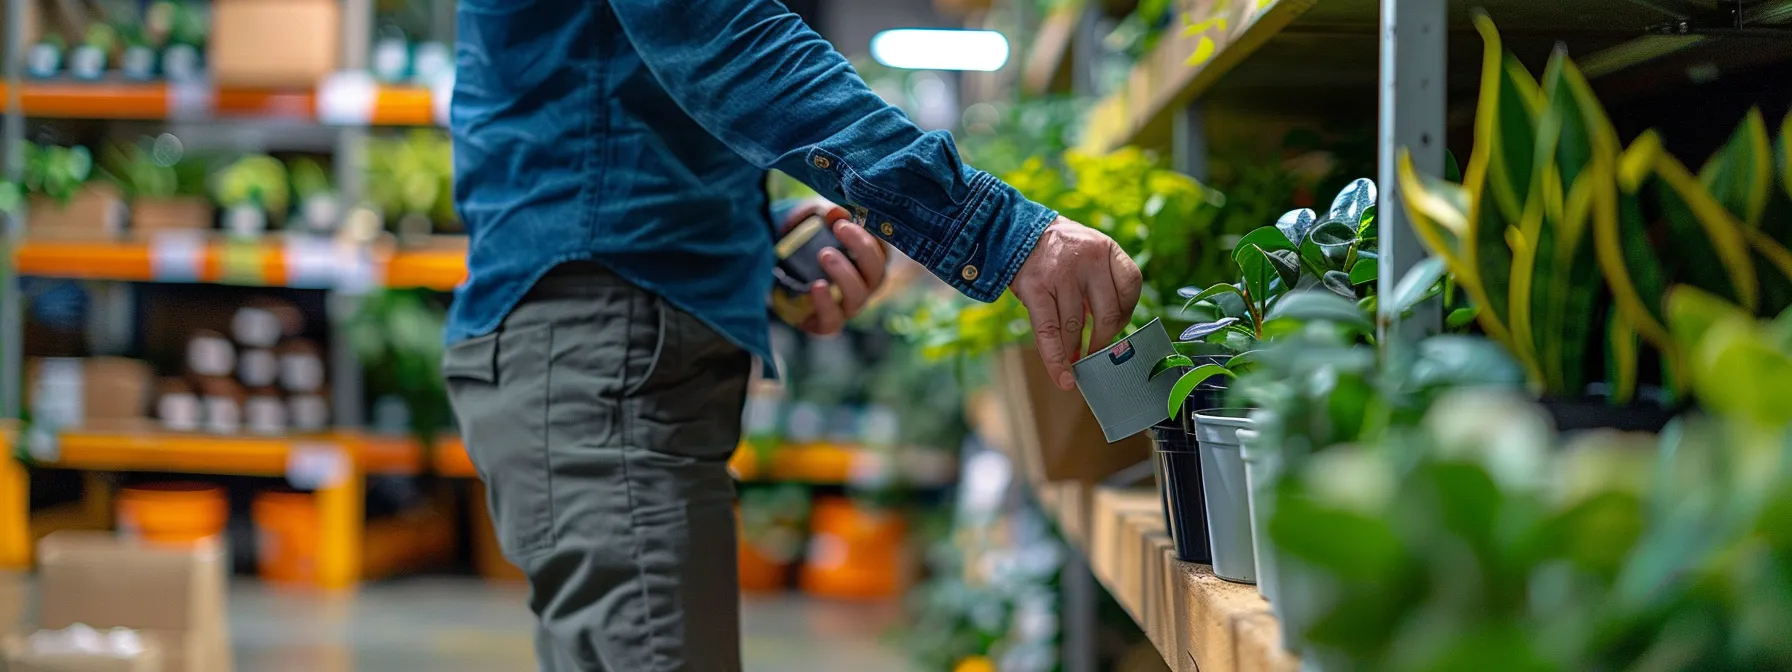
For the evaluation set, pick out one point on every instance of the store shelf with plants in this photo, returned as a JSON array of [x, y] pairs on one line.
[[1255, 57], [269, 261], [1448, 379]]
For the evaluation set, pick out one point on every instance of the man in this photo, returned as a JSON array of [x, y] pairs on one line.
[[609, 159]]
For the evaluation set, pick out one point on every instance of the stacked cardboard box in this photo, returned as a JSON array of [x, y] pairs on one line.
[[175, 595]]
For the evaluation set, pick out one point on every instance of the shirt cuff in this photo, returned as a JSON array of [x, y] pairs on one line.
[[996, 237]]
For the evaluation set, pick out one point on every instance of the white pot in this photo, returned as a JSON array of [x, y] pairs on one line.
[[1227, 493]]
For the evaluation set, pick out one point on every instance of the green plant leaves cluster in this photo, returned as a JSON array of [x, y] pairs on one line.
[[412, 173], [256, 180], [154, 168], [1490, 544], [56, 172], [1552, 211], [397, 335]]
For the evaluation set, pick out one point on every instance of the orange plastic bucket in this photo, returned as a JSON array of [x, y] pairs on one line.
[[854, 552], [173, 513], [286, 535]]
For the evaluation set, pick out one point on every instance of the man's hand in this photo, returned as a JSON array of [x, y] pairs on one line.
[[1074, 272], [858, 277]]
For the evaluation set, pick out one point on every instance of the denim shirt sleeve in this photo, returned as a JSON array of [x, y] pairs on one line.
[[755, 76]]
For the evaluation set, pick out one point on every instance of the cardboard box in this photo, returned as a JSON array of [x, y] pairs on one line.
[[175, 594], [1057, 437], [150, 216], [22, 657], [274, 43], [96, 212], [105, 388]]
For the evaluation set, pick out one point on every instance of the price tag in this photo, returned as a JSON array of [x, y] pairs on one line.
[[313, 263], [313, 466], [357, 271], [347, 99], [177, 256], [870, 468]]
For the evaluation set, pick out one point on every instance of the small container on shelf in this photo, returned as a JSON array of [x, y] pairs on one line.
[[301, 366], [45, 58], [221, 400], [210, 354], [263, 322], [308, 413], [286, 536], [177, 406], [264, 412], [257, 367]]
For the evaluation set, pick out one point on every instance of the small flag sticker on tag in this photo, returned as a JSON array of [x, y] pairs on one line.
[[1121, 352]]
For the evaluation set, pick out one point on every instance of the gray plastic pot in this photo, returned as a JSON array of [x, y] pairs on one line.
[[1227, 492], [1261, 467]]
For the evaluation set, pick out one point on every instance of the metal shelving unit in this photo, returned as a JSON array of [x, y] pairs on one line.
[[1392, 60], [333, 464]]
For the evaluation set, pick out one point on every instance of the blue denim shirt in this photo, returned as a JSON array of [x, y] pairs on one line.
[[637, 133]]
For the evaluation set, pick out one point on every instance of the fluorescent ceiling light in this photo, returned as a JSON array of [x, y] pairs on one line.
[[923, 49]]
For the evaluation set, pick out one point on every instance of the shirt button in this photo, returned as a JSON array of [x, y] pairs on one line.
[[969, 273], [888, 229], [822, 162]]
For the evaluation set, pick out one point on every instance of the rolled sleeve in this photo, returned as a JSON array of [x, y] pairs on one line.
[[996, 238]]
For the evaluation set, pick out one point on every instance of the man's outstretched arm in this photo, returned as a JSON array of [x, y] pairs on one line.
[[755, 76]]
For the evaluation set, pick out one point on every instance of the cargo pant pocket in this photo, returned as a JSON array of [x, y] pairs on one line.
[[498, 386]]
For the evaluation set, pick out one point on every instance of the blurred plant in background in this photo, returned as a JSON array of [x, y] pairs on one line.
[[410, 178], [397, 334]]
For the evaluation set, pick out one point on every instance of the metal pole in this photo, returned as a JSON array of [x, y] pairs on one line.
[[1085, 50], [346, 390], [12, 341], [1188, 138], [1411, 116]]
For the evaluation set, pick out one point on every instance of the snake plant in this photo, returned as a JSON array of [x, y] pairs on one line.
[[1551, 204]]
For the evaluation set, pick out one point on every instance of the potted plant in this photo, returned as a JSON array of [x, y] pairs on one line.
[[252, 190], [138, 61], [319, 209], [63, 202], [1551, 206], [89, 60], [774, 522], [180, 28], [1201, 470], [166, 192]]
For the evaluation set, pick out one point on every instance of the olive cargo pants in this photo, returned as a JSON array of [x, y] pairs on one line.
[[601, 420]]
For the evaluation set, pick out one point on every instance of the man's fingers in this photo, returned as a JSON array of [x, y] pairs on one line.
[[853, 290], [828, 318], [866, 252], [1104, 305], [1048, 336], [1071, 314]]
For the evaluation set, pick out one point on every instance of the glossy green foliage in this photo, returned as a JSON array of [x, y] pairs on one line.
[[397, 335]]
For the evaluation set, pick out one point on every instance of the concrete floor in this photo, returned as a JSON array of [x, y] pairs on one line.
[[456, 624]]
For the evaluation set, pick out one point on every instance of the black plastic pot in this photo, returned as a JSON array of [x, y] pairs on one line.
[[1595, 412], [1179, 485]]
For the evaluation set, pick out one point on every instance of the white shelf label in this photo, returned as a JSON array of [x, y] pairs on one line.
[[176, 256], [441, 95], [190, 100], [313, 466], [347, 99], [314, 263]]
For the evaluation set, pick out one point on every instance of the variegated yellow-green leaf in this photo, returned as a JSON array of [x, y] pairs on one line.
[[1775, 262], [1740, 175], [1706, 238], [1439, 213], [1621, 354], [1631, 269], [1523, 339], [1513, 98]]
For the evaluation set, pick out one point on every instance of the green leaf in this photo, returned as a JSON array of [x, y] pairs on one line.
[[1416, 284], [1295, 224], [1170, 362], [1327, 246], [1205, 329], [1210, 292], [1287, 265], [1185, 385], [1352, 202], [1339, 282], [1462, 317], [1740, 175], [1258, 271], [1365, 271], [1317, 306], [1620, 358], [1267, 237]]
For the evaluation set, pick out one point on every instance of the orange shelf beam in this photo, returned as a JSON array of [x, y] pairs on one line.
[[392, 106]]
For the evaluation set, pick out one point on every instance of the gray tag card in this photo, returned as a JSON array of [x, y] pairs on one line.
[[1116, 382]]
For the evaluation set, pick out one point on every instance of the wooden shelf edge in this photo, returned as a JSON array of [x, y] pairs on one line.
[[1051, 48]]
